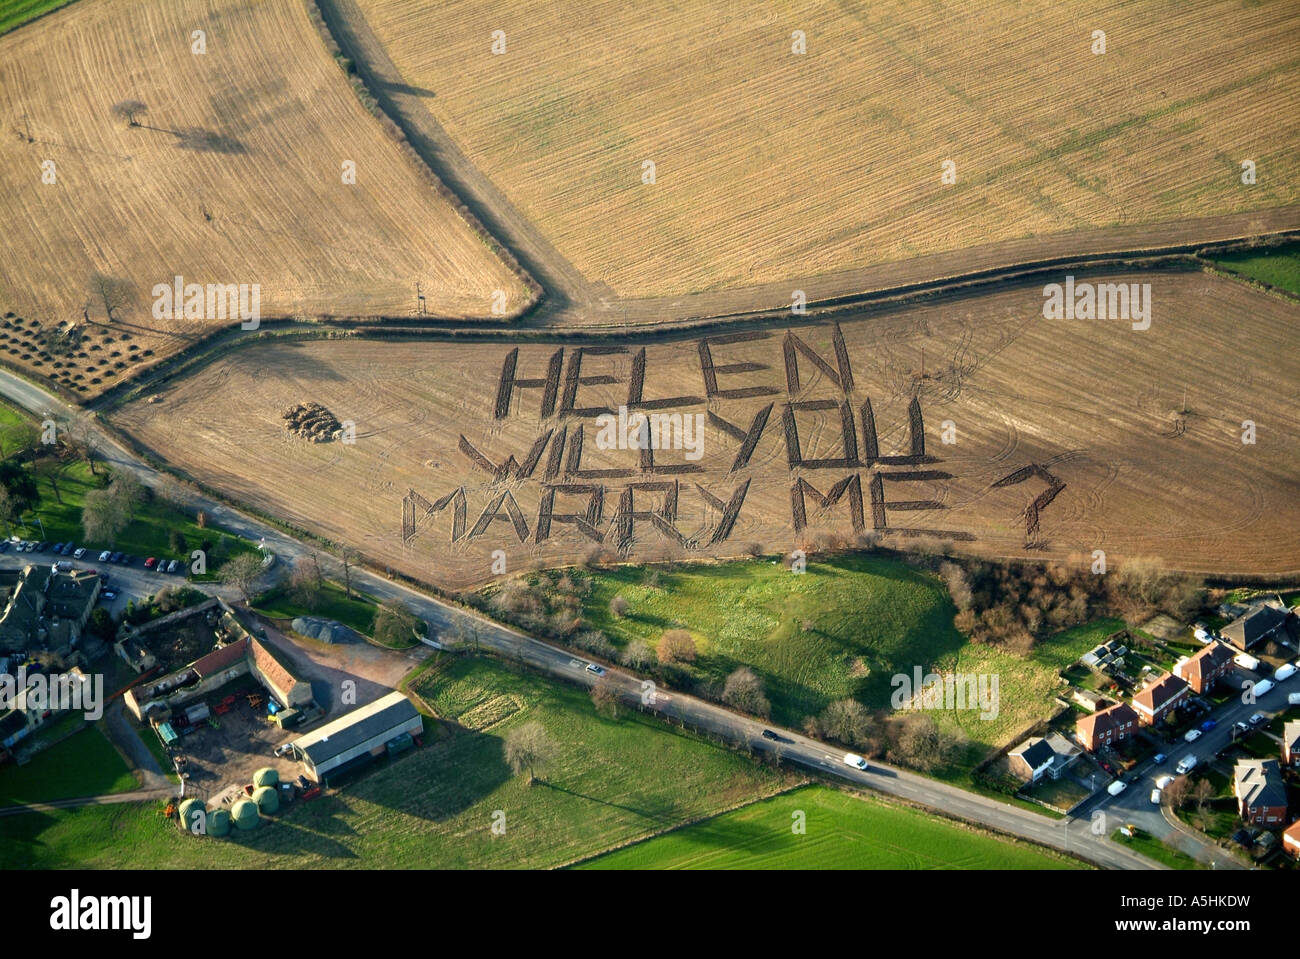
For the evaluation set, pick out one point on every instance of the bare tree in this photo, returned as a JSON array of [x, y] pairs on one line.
[[241, 572], [605, 696], [395, 624], [528, 749], [637, 655], [1178, 792], [743, 690], [103, 517], [129, 110], [112, 291], [676, 646], [618, 607], [847, 721], [348, 557], [304, 587]]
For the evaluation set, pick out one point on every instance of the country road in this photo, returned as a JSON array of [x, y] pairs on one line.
[[1068, 835]]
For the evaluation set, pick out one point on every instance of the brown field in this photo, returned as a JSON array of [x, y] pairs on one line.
[[772, 166], [233, 176], [1083, 417]]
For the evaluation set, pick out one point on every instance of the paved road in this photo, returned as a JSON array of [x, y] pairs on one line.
[[1068, 835]]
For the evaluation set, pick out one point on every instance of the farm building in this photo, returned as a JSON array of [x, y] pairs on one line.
[[276, 675], [1261, 623], [352, 740]]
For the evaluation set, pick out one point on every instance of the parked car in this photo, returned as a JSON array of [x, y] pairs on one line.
[[4, 546], [769, 734], [103, 557], [150, 563], [1264, 686], [79, 552], [1293, 699], [1155, 797], [1241, 727], [1192, 735], [1164, 781], [174, 566], [1117, 787], [43, 546], [1284, 672], [1187, 764], [283, 749], [1159, 758], [128, 559], [115, 558], [108, 594], [1257, 718], [1208, 725], [857, 762]]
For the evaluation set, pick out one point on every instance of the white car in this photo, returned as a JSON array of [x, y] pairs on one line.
[[79, 552], [1164, 781], [1155, 797], [1192, 735], [857, 762], [1187, 764], [1284, 672], [1263, 686], [1117, 787], [103, 557]]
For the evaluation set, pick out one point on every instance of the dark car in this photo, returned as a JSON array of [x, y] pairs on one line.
[[43, 546], [128, 559], [768, 734], [1208, 725], [115, 558], [109, 595], [4, 546], [1159, 758]]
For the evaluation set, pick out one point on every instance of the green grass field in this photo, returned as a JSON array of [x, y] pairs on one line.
[[14, 13], [84, 764], [611, 781], [1278, 267], [841, 629], [357, 613], [1147, 845], [841, 832]]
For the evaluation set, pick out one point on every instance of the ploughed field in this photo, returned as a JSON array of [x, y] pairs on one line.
[[770, 165], [233, 175], [1065, 436]]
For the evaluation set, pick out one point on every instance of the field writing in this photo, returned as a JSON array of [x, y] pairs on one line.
[[698, 146], [122, 171], [843, 831], [978, 425], [433, 807]]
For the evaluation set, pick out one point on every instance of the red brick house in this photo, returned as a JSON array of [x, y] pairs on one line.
[[1106, 726], [1260, 791], [1159, 697], [1206, 667], [1291, 839]]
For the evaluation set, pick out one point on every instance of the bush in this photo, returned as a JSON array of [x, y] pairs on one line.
[[676, 646]]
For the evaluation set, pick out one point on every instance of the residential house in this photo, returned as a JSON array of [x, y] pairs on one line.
[[47, 609], [1032, 759], [1261, 623], [1291, 742], [1106, 726], [1159, 697], [1260, 791], [1202, 670], [1291, 839]]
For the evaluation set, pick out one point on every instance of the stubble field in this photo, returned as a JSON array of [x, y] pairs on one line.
[[771, 165], [234, 175], [1068, 436]]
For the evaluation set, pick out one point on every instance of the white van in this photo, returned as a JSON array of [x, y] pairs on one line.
[[1284, 672], [1246, 661], [1186, 764], [1262, 687], [857, 762], [1294, 699], [1117, 787]]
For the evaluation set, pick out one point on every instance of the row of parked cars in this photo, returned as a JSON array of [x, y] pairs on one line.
[[81, 552]]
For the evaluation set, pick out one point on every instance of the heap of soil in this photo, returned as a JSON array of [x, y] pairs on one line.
[[312, 421]]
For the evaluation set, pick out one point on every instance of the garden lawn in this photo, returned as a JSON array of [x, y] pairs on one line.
[[84, 764]]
